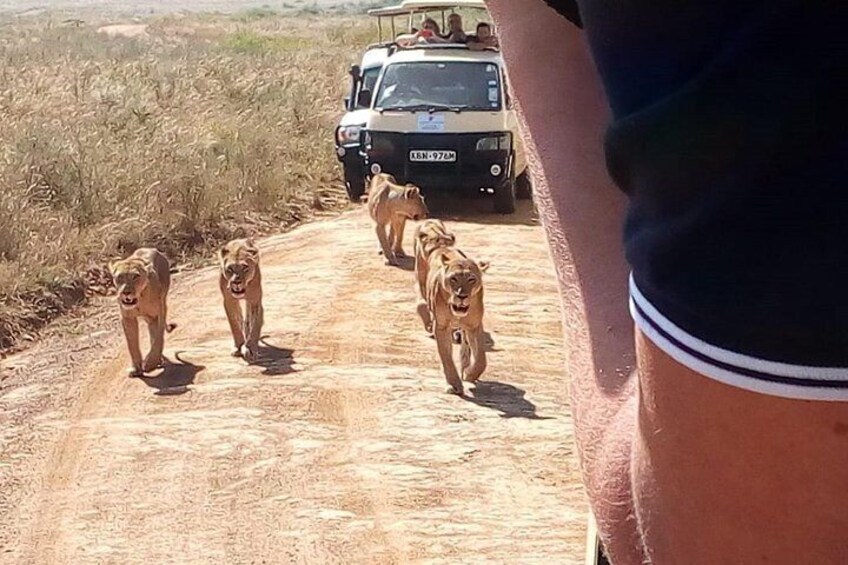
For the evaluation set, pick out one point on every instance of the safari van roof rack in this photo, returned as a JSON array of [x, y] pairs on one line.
[[394, 48], [409, 8]]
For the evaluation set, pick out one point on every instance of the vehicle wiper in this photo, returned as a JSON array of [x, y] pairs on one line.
[[426, 108], [444, 108]]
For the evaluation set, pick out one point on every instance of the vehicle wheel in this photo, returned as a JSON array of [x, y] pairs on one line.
[[523, 186], [354, 183], [505, 198]]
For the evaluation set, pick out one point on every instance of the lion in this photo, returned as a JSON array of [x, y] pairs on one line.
[[391, 204], [142, 281], [454, 295], [429, 236], [241, 279]]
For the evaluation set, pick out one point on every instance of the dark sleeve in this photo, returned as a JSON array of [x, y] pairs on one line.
[[567, 8], [729, 136]]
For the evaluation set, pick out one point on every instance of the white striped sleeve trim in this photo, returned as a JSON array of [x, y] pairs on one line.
[[743, 371]]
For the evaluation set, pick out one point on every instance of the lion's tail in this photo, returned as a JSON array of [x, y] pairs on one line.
[[170, 327]]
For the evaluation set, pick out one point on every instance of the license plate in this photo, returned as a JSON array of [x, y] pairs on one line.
[[432, 156]]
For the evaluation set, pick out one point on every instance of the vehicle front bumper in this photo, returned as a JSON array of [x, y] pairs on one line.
[[473, 169], [349, 156]]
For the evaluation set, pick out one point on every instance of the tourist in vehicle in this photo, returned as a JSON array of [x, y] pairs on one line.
[[429, 33], [483, 39], [455, 32], [430, 30], [400, 88]]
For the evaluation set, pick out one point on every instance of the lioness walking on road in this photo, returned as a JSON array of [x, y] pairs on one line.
[[455, 300], [240, 280], [429, 236], [143, 280], [391, 204]]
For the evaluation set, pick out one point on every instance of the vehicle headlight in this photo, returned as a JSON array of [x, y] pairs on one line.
[[501, 142], [348, 135]]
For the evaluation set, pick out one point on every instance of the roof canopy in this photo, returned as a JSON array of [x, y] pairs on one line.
[[425, 5], [417, 6], [388, 11]]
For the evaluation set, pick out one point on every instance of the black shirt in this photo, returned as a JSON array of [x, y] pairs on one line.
[[729, 135]]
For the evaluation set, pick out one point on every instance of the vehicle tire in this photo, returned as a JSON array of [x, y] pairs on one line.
[[505, 198], [523, 186], [354, 183]]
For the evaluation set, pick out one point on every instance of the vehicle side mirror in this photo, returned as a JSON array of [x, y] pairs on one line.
[[364, 100], [347, 102], [355, 71]]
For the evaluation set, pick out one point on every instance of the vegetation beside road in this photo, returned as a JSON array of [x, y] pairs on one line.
[[179, 132]]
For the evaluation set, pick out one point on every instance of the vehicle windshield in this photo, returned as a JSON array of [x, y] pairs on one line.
[[439, 86]]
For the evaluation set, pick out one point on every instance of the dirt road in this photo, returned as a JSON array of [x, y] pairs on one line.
[[339, 447]]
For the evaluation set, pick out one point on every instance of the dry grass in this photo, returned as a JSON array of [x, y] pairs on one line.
[[202, 129]]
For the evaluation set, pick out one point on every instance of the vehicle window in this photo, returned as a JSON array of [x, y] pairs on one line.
[[369, 78], [443, 85]]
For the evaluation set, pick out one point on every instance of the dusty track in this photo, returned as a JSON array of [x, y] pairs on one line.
[[340, 447]]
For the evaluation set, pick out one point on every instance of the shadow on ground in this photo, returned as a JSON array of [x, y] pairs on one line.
[[405, 263], [507, 399], [478, 210], [275, 360], [174, 378], [489, 343]]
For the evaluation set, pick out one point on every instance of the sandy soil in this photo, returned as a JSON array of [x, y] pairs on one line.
[[339, 446]]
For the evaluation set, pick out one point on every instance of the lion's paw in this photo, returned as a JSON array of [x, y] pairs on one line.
[[152, 363], [250, 353]]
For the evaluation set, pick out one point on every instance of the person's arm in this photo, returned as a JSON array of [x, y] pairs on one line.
[[564, 113], [406, 40], [477, 45], [457, 37], [679, 468]]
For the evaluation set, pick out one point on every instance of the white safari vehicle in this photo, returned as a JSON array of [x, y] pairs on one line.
[[439, 116], [357, 106]]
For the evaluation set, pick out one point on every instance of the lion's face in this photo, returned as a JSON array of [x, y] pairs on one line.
[[239, 260], [461, 280], [412, 203], [131, 279]]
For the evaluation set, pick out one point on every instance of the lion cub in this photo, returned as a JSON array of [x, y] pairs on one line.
[[429, 236], [454, 293], [391, 204], [241, 279], [143, 280]]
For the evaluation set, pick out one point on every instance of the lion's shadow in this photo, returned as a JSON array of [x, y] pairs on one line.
[[507, 399], [275, 360], [174, 378]]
